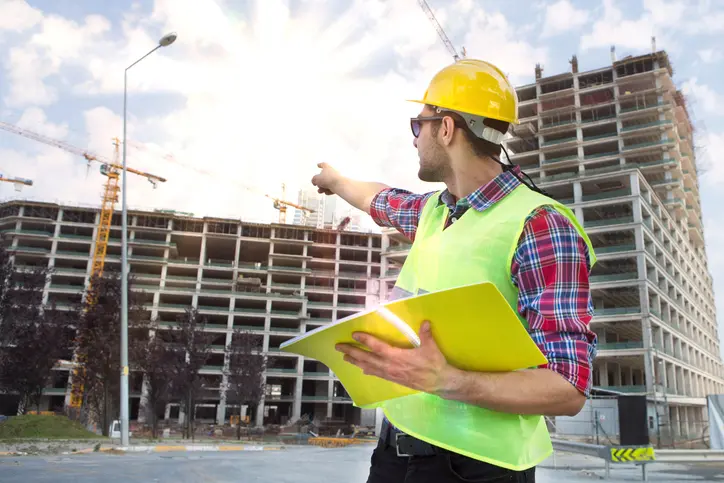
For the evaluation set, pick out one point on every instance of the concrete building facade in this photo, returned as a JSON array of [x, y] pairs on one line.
[[615, 145], [276, 281]]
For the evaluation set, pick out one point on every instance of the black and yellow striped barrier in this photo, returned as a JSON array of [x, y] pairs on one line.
[[631, 454]]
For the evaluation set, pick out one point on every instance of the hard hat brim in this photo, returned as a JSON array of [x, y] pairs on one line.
[[508, 120]]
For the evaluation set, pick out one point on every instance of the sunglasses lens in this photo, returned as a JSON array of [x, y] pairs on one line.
[[415, 125]]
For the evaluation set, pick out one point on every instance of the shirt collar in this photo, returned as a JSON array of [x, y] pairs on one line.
[[485, 196]]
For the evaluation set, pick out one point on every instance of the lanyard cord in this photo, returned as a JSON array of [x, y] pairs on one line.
[[510, 167]]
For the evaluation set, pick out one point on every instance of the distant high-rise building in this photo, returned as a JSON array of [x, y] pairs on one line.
[[324, 209]]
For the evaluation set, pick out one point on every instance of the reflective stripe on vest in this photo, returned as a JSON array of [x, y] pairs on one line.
[[477, 247]]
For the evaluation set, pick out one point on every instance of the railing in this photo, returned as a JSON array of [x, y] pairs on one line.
[[556, 124], [600, 136], [640, 455], [608, 221], [612, 346], [562, 158], [185, 262], [614, 277], [607, 194], [602, 118], [641, 126], [40, 250], [601, 155], [22, 231], [558, 141], [251, 266], [648, 144], [616, 311], [289, 269], [244, 309], [615, 249], [640, 108]]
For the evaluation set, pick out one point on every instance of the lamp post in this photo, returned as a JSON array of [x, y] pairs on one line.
[[165, 41]]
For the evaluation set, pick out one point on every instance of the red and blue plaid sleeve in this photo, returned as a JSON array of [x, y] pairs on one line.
[[399, 209], [551, 267]]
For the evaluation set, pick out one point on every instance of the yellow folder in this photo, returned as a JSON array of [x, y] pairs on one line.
[[473, 326]]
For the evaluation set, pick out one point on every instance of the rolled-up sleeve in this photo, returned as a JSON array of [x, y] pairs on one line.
[[399, 209], [551, 268]]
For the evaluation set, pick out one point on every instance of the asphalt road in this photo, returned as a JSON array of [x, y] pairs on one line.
[[292, 465]]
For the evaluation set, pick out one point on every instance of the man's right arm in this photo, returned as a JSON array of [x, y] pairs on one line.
[[396, 208]]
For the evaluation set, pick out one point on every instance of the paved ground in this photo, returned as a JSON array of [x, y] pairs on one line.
[[292, 465]]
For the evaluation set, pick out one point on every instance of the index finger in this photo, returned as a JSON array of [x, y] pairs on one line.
[[375, 344]]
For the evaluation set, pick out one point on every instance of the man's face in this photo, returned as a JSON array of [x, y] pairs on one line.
[[434, 160]]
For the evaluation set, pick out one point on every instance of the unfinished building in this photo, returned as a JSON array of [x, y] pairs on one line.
[[276, 281], [615, 145]]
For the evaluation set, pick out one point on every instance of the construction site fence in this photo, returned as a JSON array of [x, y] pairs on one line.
[[642, 456], [598, 423]]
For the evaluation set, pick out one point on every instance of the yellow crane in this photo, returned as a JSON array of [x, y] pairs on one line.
[[440, 32], [112, 170], [19, 182], [109, 168], [281, 204]]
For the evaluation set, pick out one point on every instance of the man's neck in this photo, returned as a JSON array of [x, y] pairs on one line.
[[468, 177]]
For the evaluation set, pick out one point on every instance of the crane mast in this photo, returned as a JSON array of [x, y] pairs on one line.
[[111, 169]]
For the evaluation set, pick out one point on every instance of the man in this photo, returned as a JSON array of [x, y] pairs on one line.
[[486, 226]]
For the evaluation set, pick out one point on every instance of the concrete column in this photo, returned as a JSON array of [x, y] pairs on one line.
[[297, 404], [259, 422]]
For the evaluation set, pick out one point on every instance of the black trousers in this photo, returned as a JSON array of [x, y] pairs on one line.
[[443, 467]]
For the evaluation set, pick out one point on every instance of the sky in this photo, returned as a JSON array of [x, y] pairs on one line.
[[255, 93]]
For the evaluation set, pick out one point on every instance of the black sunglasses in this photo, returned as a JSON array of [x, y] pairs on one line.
[[416, 123]]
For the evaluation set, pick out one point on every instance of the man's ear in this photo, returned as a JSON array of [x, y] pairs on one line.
[[447, 130]]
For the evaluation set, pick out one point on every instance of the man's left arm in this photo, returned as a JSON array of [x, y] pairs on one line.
[[551, 270]]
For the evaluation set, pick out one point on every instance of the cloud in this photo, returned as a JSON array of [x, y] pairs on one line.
[[260, 98], [34, 118], [18, 16], [713, 146], [710, 101], [561, 17], [614, 29]]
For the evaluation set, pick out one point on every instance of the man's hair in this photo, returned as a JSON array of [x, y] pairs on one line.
[[479, 146]]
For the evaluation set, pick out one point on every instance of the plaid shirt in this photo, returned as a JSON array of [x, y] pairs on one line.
[[550, 269]]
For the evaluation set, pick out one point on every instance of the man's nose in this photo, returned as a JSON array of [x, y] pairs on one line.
[[414, 142]]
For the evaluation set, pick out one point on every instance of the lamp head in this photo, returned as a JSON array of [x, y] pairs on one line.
[[167, 39]]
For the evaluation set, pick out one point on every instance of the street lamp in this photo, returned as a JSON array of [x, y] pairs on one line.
[[165, 41]]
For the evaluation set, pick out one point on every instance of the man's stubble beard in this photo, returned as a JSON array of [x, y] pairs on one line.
[[433, 164]]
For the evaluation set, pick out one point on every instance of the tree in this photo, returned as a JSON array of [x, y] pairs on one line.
[[245, 374], [192, 347], [99, 343], [33, 337], [157, 361]]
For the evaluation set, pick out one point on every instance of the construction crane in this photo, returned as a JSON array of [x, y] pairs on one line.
[[19, 182], [110, 169], [281, 204], [440, 32]]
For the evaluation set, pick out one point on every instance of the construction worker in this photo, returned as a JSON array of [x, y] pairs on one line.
[[487, 225]]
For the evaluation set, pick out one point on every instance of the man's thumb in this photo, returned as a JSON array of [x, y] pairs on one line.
[[426, 334]]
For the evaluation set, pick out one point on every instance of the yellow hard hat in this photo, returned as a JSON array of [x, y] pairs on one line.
[[473, 87]]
